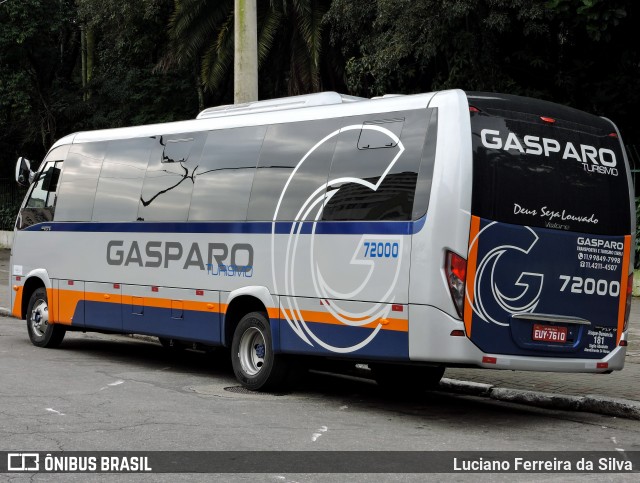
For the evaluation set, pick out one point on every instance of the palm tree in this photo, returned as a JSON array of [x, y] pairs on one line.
[[289, 40], [245, 55]]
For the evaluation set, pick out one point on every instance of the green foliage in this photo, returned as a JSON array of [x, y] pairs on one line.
[[8, 217], [576, 52], [125, 87], [37, 56], [417, 46], [47, 90], [290, 44], [598, 18], [11, 196]]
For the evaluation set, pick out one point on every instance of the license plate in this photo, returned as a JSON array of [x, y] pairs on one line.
[[549, 333]]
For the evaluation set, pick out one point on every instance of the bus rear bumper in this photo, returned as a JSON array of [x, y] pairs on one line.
[[614, 361], [430, 340]]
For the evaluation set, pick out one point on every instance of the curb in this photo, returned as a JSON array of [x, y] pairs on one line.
[[590, 403]]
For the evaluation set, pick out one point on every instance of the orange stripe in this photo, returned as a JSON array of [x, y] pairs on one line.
[[110, 298], [69, 299], [272, 312], [472, 260], [154, 302], [622, 302], [67, 302], [52, 301], [400, 325], [17, 304]]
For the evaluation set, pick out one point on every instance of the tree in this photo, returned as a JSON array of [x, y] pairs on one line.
[[596, 66], [38, 49], [70, 65], [411, 46], [245, 54], [575, 52], [123, 86], [289, 42]]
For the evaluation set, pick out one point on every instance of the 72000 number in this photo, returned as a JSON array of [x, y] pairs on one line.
[[590, 286], [381, 249]]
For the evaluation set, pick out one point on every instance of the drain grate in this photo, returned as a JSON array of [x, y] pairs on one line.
[[244, 390]]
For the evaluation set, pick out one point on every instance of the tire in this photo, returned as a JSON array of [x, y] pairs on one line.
[[41, 332], [254, 362], [406, 380]]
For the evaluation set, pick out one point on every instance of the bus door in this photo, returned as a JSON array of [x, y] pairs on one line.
[[550, 243]]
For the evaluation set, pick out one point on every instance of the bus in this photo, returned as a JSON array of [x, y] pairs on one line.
[[408, 233]]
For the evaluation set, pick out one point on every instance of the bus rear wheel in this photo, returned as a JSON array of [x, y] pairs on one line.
[[406, 380], [41, 332], [255, 364]]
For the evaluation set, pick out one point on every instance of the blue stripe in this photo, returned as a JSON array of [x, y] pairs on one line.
[[248, 227], [386, 345], [189, 325]]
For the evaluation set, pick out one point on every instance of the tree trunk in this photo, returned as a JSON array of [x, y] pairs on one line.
[[198, 80], [83, 57], [245, 72], [91, 48], [87, 47]]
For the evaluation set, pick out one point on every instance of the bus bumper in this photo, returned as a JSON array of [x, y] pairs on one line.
[[430, 340]]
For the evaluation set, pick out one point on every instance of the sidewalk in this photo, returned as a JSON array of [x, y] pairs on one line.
[[616, 394]]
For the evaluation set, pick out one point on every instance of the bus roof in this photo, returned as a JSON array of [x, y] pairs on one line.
[[499, 104], [274, 111]]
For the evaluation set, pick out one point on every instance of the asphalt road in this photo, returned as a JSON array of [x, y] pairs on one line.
[[100, 392]]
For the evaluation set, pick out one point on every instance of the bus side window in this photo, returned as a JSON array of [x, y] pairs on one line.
[[79, 181], [169, 180], [223, 178], [288, 147], [41, 203], [377, 174], [121, 179]]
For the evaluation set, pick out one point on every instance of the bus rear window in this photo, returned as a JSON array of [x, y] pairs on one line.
[[549, 173]]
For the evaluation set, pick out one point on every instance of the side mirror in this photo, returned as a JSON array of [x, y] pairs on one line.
[[24, 175]]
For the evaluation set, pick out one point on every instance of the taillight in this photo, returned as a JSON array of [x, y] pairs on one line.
[[456, 271], [629, 298]]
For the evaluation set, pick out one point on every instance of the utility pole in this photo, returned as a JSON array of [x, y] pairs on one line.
[[245, 64]]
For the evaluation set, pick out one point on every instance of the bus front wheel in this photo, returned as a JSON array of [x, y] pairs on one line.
[[254, 362], [41, 332]]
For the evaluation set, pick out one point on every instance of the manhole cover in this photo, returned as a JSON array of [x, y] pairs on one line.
[[244, 390]]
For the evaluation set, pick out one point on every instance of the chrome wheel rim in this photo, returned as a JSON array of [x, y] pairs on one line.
[[39, 318], [251, 351]]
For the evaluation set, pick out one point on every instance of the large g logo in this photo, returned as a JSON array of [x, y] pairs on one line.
[[489, 302], [311, 212]]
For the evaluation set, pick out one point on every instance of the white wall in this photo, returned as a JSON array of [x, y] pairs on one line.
[[6, 239]]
